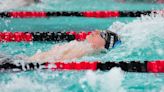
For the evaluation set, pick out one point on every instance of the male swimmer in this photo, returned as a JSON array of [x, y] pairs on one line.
[[95, 42], [12, 4]]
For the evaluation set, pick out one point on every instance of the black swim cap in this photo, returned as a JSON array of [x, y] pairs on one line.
[[110, 38]]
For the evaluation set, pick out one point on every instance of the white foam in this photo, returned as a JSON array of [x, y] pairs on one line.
[[162, 89], [24, 84], [141, 36], [104, 82]]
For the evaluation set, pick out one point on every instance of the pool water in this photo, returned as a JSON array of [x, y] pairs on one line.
[[142, 39]]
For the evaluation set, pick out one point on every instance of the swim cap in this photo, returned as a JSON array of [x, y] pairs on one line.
[[111, 38]]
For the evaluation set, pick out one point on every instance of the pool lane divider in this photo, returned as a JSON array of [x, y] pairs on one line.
[[130, 66], [87, 14], [42, 36]]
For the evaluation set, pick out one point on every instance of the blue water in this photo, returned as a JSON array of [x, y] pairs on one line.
[[142, 39]]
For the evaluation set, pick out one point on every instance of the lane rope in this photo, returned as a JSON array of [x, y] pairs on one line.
[[156, 66], [88, 14], [42, 36]]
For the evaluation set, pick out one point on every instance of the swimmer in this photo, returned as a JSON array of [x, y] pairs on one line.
[[95, 42], [12, 4]]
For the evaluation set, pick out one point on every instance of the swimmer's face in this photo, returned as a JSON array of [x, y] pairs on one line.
[[96, 40]]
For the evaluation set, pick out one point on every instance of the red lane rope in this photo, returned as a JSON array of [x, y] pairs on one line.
[[79, 35], [27, 14], [72, 66], [101, 14], [156, 66], [15, 36]]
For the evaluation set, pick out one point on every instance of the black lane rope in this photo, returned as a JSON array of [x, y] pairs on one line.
[[130, 66], [88, 14]]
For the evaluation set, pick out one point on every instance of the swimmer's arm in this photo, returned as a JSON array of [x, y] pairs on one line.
[[39, 56], [43, 55], [73, 54], [67, 54]]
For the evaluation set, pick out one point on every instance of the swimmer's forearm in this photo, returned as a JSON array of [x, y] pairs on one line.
[[39, 56], [74, 53], [68, 54], [64, 52]]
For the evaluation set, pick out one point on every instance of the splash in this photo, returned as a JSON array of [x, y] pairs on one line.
[[105, 82], [162, 89], [22, 84], [142, 39]]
